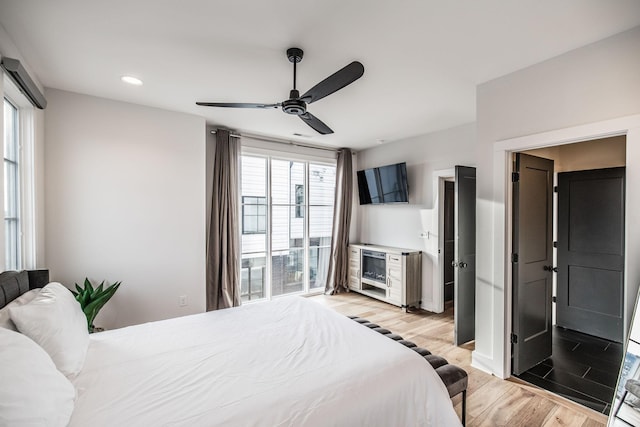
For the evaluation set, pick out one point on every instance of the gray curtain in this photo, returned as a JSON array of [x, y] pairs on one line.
[[338, 274], [223, 245]]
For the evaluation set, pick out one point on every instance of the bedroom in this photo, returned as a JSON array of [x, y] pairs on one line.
[[112, 164]]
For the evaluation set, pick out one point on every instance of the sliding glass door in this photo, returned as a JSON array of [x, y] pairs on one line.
[[287, 212], [287, 226], [322, 184]]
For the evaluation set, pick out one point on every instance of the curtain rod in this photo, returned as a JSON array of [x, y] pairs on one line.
[[295, 144]]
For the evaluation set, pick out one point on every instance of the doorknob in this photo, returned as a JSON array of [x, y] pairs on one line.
[[462, 265], [454, 264], [550, 268]]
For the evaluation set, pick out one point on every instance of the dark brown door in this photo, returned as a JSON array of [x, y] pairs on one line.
[[591, 252], [532, 261], [464, 300]]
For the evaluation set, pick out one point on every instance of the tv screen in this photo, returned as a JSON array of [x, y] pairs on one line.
[[385, 184]]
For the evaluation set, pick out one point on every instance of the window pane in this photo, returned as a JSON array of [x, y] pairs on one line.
[[318, 266], [254, 198], [285, 176], [320, 223], [10, 131], [287, 230], [287, 272], [253, 277], [11, 188], [322, 184], [254, 176]]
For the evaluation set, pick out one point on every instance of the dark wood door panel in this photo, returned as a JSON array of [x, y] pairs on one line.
[[591, 252], [533, 255], [465, 255]]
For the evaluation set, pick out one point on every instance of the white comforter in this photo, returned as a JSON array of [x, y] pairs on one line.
[[290, 362]]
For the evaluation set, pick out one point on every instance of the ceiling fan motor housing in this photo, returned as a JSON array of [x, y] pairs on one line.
[[294, 105]]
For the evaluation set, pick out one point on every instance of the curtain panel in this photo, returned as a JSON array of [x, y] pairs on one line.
[[223, 243], [338, 275]]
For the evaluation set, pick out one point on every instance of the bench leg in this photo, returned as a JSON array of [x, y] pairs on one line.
[[464, 407]]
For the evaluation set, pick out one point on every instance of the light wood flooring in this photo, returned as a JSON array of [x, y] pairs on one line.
[[490, 401]]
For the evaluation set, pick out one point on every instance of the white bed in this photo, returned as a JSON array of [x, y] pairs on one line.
[[290, 362]]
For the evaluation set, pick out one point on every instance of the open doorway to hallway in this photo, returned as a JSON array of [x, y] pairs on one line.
[[568, 284]]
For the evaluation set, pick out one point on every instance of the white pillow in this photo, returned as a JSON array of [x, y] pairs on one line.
[[5, 319], [55, 320], [32, 391]]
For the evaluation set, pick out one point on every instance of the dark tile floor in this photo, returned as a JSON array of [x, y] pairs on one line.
[[583, 368]]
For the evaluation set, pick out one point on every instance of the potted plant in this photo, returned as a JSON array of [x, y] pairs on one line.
[[93, 299]]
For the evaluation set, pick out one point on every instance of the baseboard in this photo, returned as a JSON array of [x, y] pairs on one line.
[[485, 364]]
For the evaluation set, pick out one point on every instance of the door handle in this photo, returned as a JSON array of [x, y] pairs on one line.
[[550, 268], [462, 265], [454, 264]]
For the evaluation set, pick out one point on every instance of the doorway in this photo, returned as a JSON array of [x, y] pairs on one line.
[[568, 268], [449, 219]]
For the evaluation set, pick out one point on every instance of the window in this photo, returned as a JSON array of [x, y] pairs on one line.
[[288, 251], [11, 187], [254, 215], [19, 179]]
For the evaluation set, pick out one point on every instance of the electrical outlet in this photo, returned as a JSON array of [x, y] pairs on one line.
[[182, 300]]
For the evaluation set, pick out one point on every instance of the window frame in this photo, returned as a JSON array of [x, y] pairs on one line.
[[26, 173], [269, 156]]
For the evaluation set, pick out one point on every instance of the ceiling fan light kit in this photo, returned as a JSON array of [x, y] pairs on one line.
[[296, 104]]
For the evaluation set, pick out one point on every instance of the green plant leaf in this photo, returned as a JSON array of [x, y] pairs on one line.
[[93, 299], [97, 291]]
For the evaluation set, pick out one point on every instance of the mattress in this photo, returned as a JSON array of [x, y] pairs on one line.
[[289, 362]]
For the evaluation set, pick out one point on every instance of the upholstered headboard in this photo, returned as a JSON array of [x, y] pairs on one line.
[[15, 283]]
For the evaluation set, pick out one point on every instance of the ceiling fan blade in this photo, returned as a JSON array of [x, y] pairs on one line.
[[315, 123], [334, 82], [236, 105]]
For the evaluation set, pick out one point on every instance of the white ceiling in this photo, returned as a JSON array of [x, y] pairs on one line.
[[422, 58]]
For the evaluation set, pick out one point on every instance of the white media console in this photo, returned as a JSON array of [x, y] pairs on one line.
[[392, 275]]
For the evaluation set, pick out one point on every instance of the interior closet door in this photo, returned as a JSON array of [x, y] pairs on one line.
[[591, 252], [532, 261], [464, 300]]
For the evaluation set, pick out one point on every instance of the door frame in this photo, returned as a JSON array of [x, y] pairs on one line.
[[628, 126], [439, 177]]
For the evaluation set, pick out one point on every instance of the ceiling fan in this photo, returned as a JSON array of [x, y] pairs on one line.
[[297, 104]]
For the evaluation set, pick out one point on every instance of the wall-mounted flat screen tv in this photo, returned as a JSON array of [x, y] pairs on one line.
[[384, 184]]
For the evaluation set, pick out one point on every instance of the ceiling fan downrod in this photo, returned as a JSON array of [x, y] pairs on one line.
[[294, 105]]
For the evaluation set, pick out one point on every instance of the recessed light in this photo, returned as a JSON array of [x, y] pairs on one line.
[[131, 80]]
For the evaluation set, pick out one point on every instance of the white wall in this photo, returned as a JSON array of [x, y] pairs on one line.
[[401, 225], [595, 83], [125, 201]]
